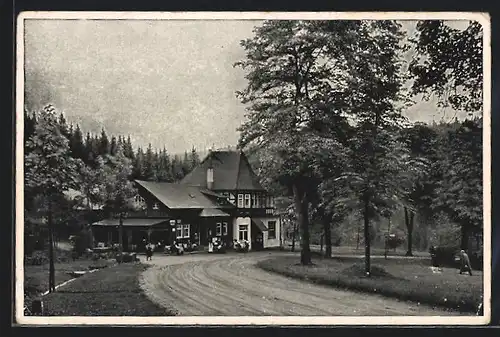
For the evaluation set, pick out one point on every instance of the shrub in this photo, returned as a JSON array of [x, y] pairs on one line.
[[126, 257], [394, 241], [37, 258], [444, 256]]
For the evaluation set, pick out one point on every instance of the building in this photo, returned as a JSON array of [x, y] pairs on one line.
[[221, 197]]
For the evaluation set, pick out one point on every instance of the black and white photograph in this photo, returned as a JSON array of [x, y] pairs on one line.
[[191, 168]]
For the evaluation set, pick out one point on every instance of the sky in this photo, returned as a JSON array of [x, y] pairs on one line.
[[168, 83]]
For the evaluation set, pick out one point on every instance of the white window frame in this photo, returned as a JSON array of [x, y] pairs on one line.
[[243, 229], [178, 231], [156, 206], [248, 200], [269, 229], [224, 228], [139, 201], [241, 201], [218, 229], [186, 230]]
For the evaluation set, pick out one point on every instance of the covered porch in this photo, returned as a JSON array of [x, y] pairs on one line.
[[136, 232]]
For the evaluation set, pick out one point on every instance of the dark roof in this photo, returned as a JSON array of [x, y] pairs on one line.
[[178, 196], [232, 171], [128, 222]]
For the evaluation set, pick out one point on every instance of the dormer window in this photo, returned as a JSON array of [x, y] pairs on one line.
[[139, 202]]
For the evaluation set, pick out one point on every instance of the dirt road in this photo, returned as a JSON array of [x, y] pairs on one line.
[[231, 285]]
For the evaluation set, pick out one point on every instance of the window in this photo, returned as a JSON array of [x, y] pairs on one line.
[[232, 198], [247, 201], [156, 206], [182, 230], [178, 231], [243, 232], [254, 201], [139, 201], [240, 201], [271, 201], [271, 225], [218, 229], [172, 223], [186, 232], [224, 228]]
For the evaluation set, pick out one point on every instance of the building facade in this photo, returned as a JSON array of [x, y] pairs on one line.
[[221, 197]]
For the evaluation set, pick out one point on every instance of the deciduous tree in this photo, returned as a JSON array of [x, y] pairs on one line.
[[49, 169]]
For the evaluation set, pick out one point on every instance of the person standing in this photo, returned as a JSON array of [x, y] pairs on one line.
[[465, 265]]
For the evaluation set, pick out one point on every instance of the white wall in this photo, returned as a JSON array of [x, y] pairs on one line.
[[242, 221], [268, 243]]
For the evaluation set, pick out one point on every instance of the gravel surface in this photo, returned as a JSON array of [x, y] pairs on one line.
[[231, 285]]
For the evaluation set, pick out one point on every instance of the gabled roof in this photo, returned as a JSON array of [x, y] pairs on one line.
[[132, 222], [232, 171], [179, 196], [212, 213]]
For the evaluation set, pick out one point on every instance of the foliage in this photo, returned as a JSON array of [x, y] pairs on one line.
[[449, 63], [287, 80], [49, 168], [460, 191]]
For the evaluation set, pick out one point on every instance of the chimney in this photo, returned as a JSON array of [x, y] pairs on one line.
[[210, 171]]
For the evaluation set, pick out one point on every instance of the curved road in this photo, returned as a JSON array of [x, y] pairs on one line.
[[231, 285]]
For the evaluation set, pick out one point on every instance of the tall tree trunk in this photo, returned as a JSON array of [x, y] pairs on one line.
[[52, 273], [328, 237], [409, 219], [120, 237], [303, 220], [464, 237], [294, 231], [367, 238], [357, 239]]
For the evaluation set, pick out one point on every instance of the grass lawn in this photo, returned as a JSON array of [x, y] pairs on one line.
[[36, 278], [405, 279], [113, 291]]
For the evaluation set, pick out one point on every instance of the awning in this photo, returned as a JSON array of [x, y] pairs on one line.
[[260, 225], [128, 222], [212, 212]]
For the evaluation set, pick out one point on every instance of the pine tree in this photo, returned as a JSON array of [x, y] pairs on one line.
[[138, 165], [104, 146], [149, 165], [77, 146], [128, 149], [194, 159], [113, 146]]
